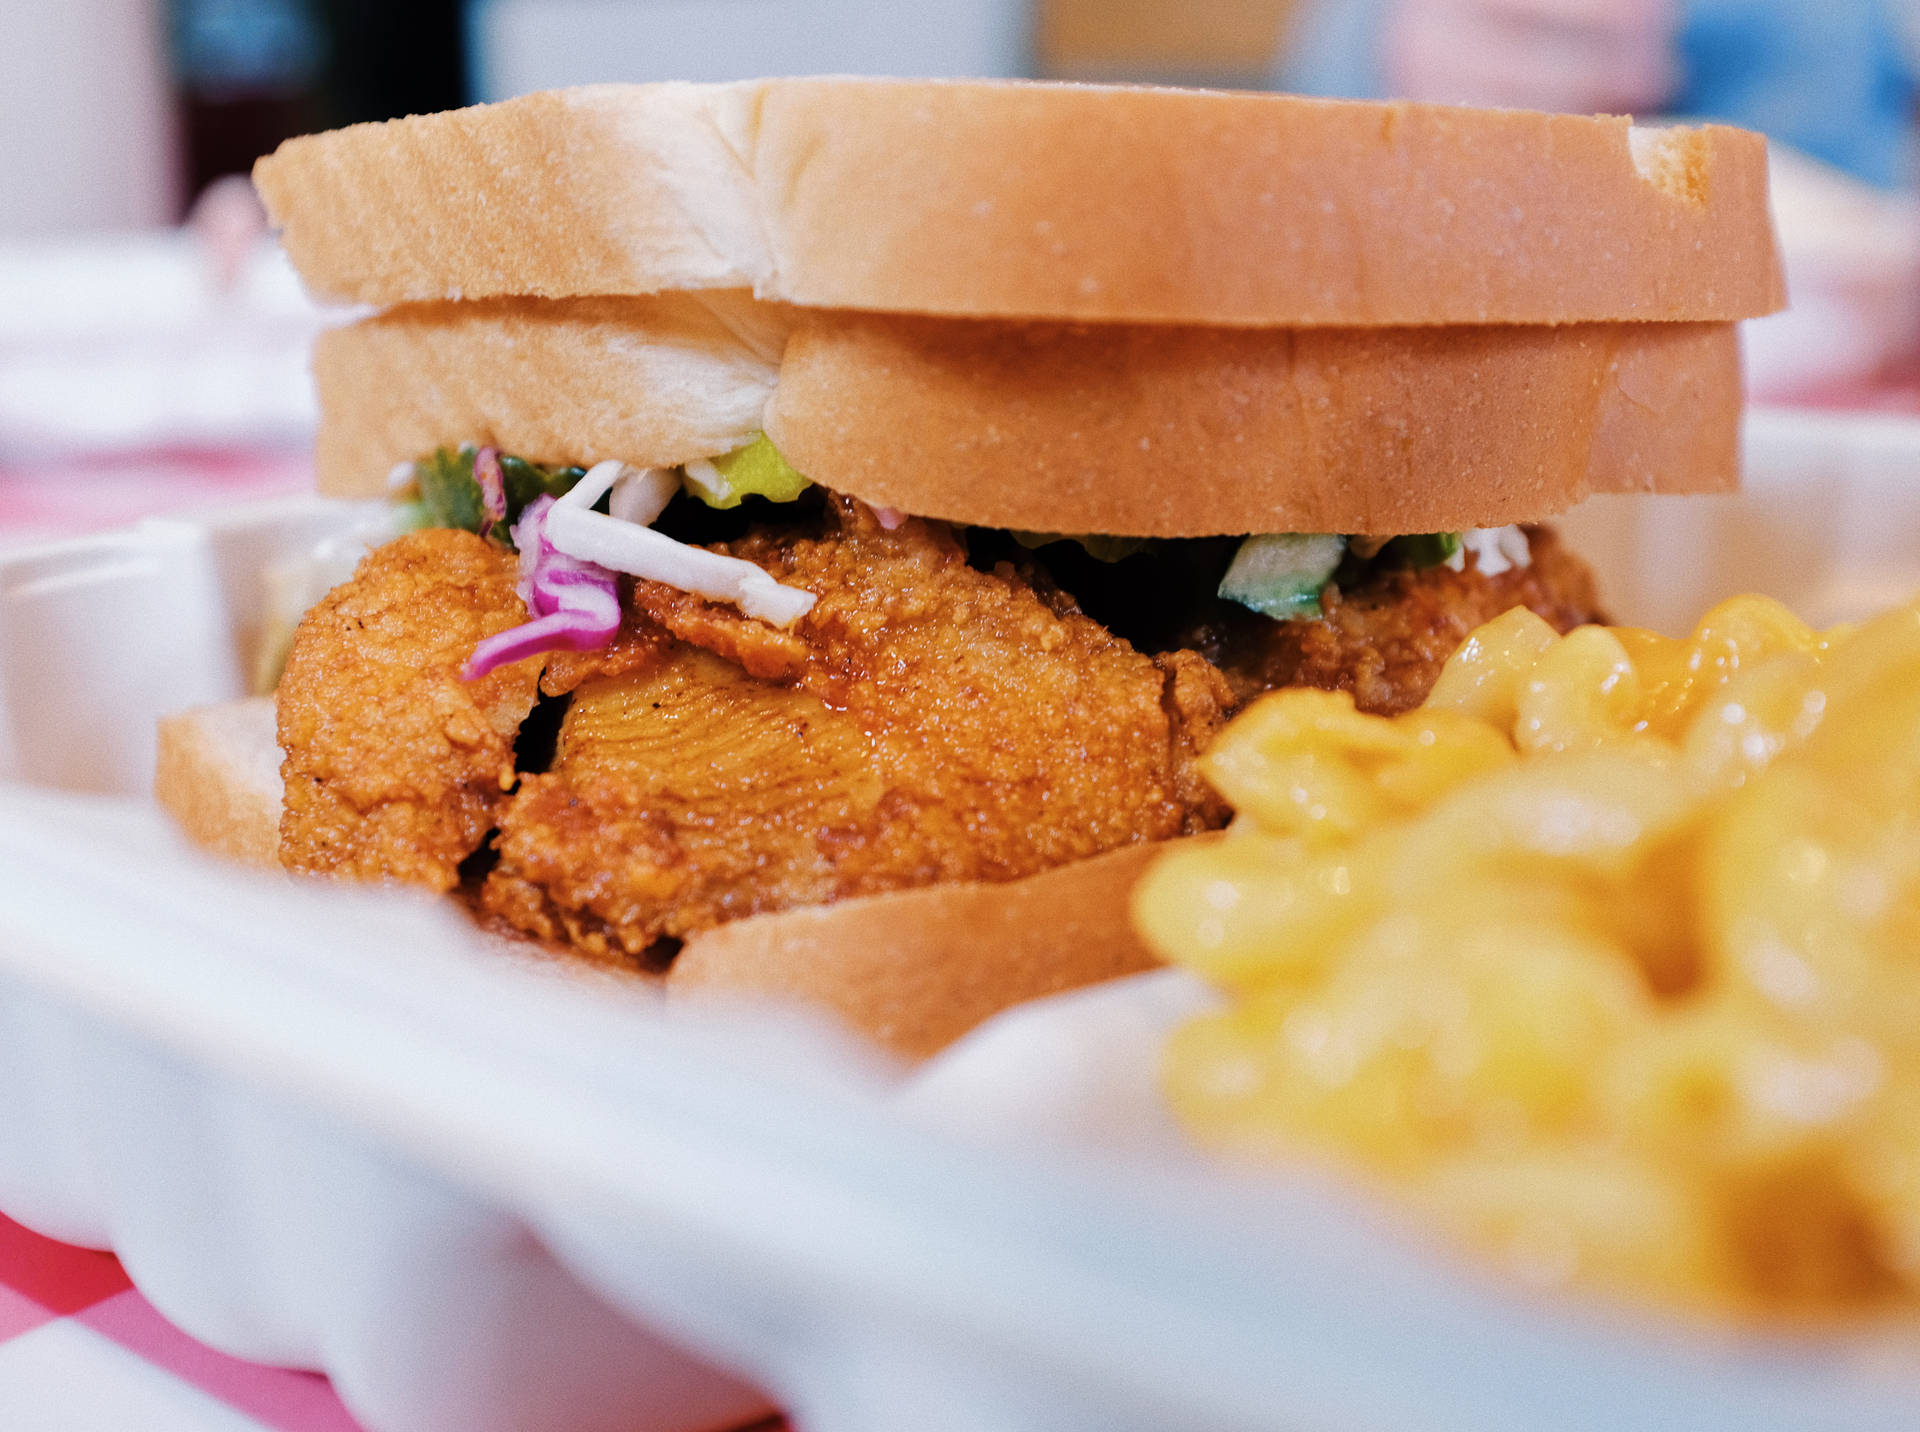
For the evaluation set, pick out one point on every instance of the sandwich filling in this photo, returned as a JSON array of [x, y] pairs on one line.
[[621, 706]]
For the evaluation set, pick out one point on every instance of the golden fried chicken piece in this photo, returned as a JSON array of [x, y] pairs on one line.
[[926, 722], [1386, 639], [396, 768], [1199, 701], [685, 792]]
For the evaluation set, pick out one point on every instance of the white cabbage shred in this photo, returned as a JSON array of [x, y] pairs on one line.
[[641, 494], [627, 546], [1495, 550]]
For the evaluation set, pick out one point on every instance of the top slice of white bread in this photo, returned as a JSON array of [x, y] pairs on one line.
[[1009, 200]]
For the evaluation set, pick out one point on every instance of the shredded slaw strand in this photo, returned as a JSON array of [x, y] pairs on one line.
[[642, 552], [595, 483], [642, 494], [562, 631], [576, 530], [575, 605], [493, 488], [569, 554]]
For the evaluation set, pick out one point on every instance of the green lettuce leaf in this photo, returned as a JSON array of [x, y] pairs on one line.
[[1281, 574], [1426, 549], [448, 495]]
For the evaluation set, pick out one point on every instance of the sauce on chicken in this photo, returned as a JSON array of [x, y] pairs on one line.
[[931, 719], [395, 768], [926, 722]]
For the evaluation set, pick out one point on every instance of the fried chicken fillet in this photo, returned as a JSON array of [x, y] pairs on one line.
[[930, 720], [395, 768], [927, 722]]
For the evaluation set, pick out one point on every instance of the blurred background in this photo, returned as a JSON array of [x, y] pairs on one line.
[[152, 345]]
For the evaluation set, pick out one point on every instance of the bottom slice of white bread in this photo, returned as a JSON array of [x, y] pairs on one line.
[[912, 970], [218, 774]]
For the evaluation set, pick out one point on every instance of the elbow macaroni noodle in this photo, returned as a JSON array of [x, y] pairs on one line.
[[1609, 955]]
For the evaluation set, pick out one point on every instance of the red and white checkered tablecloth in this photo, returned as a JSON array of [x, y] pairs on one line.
[[42, 500], [82, 1351]]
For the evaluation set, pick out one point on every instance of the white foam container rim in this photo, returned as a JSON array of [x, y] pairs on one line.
[[753, 1186]]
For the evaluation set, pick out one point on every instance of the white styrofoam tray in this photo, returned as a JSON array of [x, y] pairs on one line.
[[322, 1131]]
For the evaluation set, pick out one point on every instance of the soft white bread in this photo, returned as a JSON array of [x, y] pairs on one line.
[[1069, 202], [913, 971], [917, 969], [1128, 429], [218, 773], [653, 381]]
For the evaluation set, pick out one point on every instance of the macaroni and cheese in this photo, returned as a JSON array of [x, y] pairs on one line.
[[1609, 954]]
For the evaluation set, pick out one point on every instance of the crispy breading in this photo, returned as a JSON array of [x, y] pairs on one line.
[[1386, 639], [395, 768], [933, 723], [926, 722], [1199, 701]]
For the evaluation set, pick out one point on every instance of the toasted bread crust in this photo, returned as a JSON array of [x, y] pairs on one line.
[[1137, 430], [1066, 202], [218, 773], [917, 969]]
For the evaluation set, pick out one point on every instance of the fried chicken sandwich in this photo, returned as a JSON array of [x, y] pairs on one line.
[[838, 513]]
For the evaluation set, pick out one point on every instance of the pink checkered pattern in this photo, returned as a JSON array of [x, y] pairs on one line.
[[43, 500], [81, 1350]]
